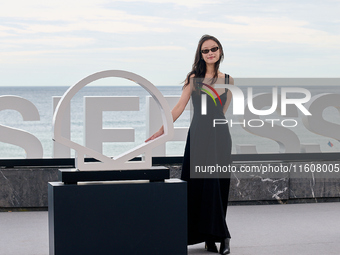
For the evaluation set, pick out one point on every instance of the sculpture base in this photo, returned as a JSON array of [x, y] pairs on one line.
[[118, 218], [72, 176]]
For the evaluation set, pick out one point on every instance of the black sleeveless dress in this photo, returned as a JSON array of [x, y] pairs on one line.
[[207, 198]]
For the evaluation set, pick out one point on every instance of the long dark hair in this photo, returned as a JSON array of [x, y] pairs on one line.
[[199, 66]]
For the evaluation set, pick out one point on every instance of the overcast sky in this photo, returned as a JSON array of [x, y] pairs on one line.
[[50, 43]]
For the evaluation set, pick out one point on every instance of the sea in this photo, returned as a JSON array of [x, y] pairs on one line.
[[42, 129]]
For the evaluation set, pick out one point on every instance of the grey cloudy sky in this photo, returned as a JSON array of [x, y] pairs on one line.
[[50, 43]]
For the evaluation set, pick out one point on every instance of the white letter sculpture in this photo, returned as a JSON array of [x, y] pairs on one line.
[[120, 162]]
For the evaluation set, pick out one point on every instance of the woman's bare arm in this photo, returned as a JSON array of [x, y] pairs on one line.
[[176, 111]]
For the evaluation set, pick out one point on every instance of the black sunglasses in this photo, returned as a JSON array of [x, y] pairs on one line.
[[206, 51]]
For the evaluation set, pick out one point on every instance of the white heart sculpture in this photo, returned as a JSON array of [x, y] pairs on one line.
[[120, 162]]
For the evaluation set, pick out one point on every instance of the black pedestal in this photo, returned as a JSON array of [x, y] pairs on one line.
[[118, 218]]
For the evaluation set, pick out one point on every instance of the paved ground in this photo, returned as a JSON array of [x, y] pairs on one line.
[[301, 229]]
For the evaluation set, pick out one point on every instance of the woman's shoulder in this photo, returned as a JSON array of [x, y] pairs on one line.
[[231, 80], [223, 75], [188, 79]]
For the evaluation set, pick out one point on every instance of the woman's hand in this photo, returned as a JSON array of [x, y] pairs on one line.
[[155, 135]]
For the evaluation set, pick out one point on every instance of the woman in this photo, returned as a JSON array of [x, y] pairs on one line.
[[206, 145]]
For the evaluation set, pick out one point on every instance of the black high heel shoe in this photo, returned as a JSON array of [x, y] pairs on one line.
[[225, 246], [211, 246]]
